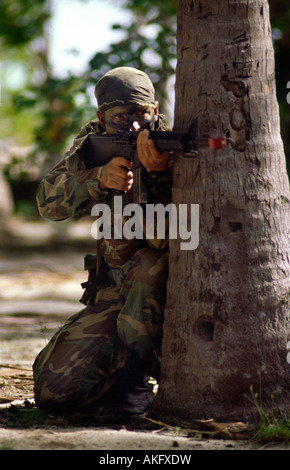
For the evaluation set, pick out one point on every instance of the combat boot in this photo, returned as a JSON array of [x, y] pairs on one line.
[[132, 393]]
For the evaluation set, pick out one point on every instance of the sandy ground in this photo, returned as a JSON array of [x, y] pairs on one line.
[[39, 289]]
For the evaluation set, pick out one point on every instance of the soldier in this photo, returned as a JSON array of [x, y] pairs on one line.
[[103, 357]]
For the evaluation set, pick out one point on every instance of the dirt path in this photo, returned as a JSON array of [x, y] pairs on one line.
[[39, 289]]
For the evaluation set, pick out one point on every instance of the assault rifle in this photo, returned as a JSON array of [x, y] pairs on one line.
[[100, 149]]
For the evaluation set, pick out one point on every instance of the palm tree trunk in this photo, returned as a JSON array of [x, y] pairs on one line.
[[225, 330]]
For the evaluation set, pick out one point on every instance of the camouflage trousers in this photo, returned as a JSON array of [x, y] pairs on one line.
[[84, 358]]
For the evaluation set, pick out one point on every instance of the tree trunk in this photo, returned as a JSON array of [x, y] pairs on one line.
[[225, 331]]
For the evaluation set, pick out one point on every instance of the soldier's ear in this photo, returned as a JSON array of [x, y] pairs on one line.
[[101, 119]]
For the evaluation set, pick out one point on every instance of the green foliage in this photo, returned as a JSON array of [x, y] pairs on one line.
[[149, 44], [22, 21], [272, 429], [57, 101], [49, 110], [26, 417], [7, 445], [58, 107], [24, 57], [45, 110], [272, 426]]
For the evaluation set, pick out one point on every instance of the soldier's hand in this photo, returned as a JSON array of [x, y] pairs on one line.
[[149, 156], [116, 174]]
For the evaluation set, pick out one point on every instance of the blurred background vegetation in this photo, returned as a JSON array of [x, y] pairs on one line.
[[41, 110]]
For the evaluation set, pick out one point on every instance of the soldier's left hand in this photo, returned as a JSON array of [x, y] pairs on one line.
[[149, 156]]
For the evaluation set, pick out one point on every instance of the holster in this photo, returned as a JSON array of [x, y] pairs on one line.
[[98, 278]]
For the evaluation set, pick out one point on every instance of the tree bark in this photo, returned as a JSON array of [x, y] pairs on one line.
[[225, 331]]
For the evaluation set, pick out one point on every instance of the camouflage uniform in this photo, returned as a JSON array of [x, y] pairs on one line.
[[86, 356]]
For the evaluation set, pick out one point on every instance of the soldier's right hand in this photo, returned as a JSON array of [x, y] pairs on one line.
[[117, 174]]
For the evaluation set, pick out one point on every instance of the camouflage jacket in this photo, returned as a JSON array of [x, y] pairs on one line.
[[70, 190]]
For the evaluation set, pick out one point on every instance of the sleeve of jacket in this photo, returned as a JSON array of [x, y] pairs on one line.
[[69, 189]]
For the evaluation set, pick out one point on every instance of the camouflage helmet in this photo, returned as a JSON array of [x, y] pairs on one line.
[[122, 86]]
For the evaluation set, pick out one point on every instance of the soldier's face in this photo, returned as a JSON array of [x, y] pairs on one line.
[[116, 118]]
